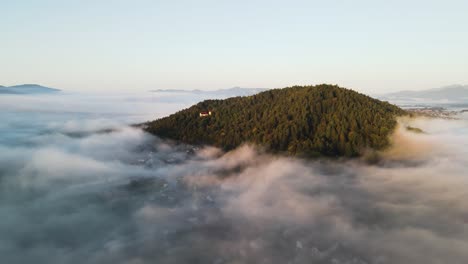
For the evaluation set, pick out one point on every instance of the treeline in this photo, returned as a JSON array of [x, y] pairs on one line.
[[300, 120]]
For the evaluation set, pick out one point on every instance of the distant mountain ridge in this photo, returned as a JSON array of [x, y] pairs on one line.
[[27, 89], [452, 92], [234, 91]]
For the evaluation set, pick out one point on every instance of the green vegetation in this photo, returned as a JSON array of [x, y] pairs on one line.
[[322, 120]]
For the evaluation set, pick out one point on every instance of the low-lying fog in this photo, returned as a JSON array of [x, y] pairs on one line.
[[69, 194]]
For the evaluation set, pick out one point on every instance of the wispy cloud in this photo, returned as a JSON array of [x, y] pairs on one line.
[[128, 197]]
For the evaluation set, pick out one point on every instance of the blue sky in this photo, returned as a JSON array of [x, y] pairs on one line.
[[370, 46]]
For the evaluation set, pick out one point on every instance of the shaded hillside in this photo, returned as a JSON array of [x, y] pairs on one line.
[[308, 121]]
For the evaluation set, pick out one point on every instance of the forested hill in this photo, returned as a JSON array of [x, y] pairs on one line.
[[322, 120]]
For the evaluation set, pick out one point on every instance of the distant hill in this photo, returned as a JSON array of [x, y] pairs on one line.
[[301, 120], [451, 93], [235, 91], [27, 89]]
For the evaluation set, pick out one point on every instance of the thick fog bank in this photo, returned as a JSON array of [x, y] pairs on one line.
[[127, 197]]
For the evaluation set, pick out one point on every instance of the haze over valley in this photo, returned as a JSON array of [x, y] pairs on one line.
[[234, 132], [78, 182]]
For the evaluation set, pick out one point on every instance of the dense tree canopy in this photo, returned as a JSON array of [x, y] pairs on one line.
[[301, 120]]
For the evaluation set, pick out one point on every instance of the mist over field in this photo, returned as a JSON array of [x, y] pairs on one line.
[[78, 185]]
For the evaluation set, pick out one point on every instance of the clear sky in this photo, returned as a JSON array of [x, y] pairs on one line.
[[372, 46]]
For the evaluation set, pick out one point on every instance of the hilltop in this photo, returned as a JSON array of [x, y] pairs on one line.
[[322, 120], [27, 89]]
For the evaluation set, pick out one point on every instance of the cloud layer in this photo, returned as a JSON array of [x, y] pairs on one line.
[[127, 197]]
